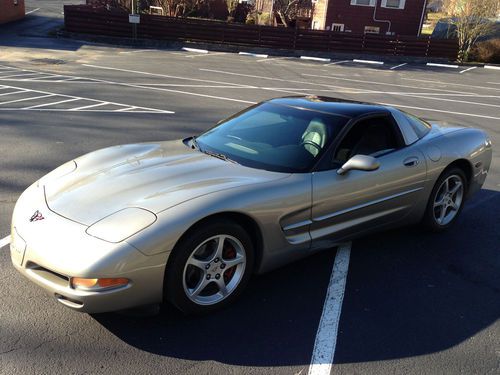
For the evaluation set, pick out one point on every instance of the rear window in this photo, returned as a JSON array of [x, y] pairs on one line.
[[419, 126]]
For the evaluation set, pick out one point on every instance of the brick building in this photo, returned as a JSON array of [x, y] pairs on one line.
[[403, 17], [11, 10]]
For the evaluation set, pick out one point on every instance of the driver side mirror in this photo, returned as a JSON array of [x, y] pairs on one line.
[[359, 163]]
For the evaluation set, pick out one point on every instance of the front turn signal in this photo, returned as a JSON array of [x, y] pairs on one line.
[[97, 284]]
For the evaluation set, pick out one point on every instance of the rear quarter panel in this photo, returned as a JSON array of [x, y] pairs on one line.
[[443, 146]]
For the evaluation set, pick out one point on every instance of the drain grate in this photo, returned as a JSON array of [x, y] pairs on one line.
[[47, 61]]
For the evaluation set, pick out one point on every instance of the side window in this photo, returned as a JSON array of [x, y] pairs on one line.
[[374, 137]]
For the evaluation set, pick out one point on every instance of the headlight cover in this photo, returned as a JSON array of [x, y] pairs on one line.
[[122, 224]]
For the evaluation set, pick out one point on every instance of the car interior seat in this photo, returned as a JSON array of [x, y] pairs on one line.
[[314, 137]]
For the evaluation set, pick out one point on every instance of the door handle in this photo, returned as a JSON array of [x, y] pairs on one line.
[[411, 161]]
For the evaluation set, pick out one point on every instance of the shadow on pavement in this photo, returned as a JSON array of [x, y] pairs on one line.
[[409, 293]]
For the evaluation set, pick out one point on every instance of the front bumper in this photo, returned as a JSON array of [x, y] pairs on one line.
[[51, 250]]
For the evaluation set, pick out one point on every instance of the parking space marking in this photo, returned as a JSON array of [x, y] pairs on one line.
[[4, 241], [160, 75], [361, 91], [451, 84], [24, 99], [12, 92], [443, 65], [326, 336], [377, 83], [196, 50], [468, 69], [368, 62], [312, 58], [32, 11], [338, 62], [63, 98], [54, 103], [439, 110], [260, 55], [398, 66]]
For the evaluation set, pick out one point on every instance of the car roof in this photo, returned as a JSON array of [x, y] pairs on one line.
[[334, 106]]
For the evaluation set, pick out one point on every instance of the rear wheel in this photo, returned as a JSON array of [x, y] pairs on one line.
[[209, 267], [446, 201]]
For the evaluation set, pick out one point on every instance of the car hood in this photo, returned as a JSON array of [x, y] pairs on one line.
[[152, 176]]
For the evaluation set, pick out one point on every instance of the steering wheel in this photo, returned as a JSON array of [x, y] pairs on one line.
[[311, 143]]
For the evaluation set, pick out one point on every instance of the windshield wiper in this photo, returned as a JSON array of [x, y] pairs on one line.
[[219, 156]]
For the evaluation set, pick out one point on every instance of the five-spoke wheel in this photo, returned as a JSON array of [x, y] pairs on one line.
[[209, 267], [447, 199], [214, 269]]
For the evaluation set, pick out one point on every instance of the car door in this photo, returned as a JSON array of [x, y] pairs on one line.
[[358, 201]]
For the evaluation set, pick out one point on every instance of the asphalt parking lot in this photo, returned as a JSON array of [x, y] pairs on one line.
[[414, 302]]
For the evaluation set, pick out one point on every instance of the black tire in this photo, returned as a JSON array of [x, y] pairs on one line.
[[429, 220], [174, 291]]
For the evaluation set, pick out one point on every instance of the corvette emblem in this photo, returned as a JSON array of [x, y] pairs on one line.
[[36, 216]]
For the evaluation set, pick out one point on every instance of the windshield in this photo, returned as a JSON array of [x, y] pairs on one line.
[[273, 137]]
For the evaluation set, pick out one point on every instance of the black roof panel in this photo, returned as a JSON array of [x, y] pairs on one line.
[[326, 104]]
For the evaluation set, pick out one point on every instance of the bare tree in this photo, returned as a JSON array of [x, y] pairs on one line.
[[471, 20], [288, 10]]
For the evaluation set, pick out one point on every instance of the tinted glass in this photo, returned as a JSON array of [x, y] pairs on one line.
[[419, 126], [274, 137]]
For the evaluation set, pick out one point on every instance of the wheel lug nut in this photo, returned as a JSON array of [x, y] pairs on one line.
[[207, 266], [209, 277], [216, 260], [222, 266], [217, 276]]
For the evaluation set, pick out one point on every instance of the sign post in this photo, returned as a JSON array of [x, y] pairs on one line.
[[134, 19]]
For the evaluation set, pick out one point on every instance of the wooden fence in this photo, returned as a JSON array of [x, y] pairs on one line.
[[85, 19]]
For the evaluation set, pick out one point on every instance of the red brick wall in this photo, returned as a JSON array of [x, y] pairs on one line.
[[10, 12], [404, 21]]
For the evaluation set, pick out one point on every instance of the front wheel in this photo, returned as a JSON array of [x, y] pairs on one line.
[[209, 268], [446, 200]]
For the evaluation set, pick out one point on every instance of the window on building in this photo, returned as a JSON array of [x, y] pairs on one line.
[[337, 27], [366, 3], [393, 4], [372, 30]]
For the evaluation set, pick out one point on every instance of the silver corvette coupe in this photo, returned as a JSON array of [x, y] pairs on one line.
[[190, 221]]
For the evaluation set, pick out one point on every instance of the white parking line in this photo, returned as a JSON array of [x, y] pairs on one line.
[[376, 83], [368, 62], [312, 58], [53, 103], [338, 62], [326, 336], [399, 66], [494, 83], [492, 67], [159, 75], [13, 92], [443, 65], [64, 97], [260, 55], [17, 75], [4, 241], [30, 98], [451, 84], [196, 50], [468, 69], [89, 106], [440, 111], [32, 11], [273, 59], [361, 91]]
